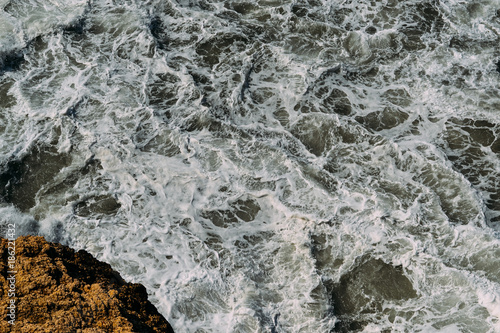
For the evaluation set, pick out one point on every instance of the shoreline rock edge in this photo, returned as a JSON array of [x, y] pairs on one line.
[[60, 290]]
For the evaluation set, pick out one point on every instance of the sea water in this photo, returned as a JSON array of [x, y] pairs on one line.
[[268, 165]]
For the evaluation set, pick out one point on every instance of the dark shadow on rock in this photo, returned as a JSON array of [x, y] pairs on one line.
[[21, 179], [76, 27], [364, 290], [159, 32], [241, 210], [11, 61], [98, 205]]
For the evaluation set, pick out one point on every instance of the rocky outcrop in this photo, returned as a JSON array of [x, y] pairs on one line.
[[59, 290]]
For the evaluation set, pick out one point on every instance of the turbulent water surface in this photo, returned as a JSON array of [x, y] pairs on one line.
[[268, 165]]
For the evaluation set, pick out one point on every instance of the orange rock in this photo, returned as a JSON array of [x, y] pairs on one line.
[[60, 290]]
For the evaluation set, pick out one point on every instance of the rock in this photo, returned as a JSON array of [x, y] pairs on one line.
[[367, 289], [60, 290]]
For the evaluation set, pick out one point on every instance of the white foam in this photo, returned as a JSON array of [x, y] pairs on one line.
[[223, 206]]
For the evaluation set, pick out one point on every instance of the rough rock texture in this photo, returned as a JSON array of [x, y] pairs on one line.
[[60, 290]]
